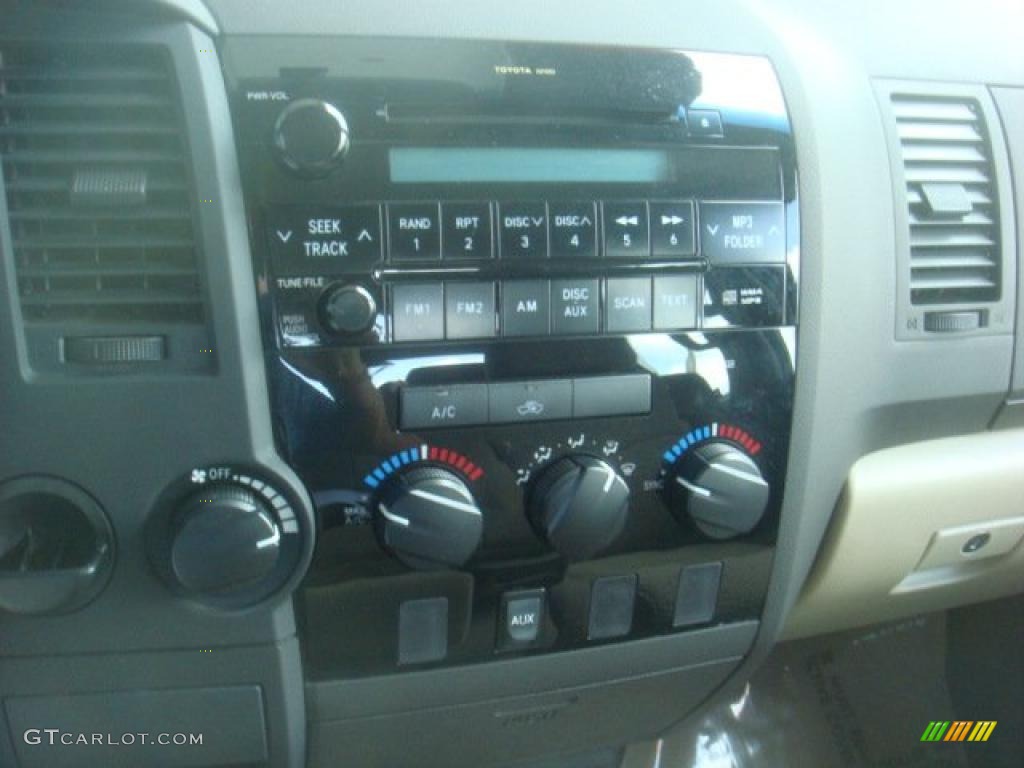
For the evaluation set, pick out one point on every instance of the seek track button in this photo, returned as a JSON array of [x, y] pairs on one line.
[[326, 240]]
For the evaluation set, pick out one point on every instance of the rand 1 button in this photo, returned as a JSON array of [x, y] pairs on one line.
[[525, 308], [417, 311], [743, 233], [466, 231], [524, 230], [455, 405], [573, 229], [469, 310], [414, 231], [324, 240], [575, 306], [626, 229], [672, 228], [675, 302], [522, 401], [628, 304]]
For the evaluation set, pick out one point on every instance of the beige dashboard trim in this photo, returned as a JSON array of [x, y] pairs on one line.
[[895, 545]]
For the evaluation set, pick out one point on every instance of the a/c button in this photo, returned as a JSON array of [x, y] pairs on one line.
[[444, 406]]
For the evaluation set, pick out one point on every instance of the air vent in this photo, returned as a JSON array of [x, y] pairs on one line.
[[951, 200], [98, 189]]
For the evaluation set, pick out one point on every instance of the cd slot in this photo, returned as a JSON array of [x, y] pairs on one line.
[[440, 113]]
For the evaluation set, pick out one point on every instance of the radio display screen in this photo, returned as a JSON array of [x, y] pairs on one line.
[[432, 165]]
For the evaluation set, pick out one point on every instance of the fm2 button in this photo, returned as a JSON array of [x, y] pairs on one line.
[[522, 614]]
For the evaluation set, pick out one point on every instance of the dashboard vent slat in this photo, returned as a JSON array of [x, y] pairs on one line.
[[950, 187], [98, 186]]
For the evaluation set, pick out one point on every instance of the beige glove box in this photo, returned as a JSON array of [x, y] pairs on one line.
[[919, 528]]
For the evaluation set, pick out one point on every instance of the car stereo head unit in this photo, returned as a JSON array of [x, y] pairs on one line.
[[530, 317]]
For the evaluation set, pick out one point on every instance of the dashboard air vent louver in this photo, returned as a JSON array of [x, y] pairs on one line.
[[98, 186], [951, 200]]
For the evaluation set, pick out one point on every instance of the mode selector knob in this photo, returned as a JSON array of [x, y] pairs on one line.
[[348, 309], [311, 137], [428, 518], [580, 505], [720, 489], [225, 538]]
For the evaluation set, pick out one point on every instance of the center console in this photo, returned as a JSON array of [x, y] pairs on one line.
[[529, 315]]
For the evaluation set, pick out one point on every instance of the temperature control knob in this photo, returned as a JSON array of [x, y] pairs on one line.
[[225, 538], [580, 504], [720, 488], [428, 518], [311, 137]]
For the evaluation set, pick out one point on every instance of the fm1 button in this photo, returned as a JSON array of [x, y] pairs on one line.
[[417, 312], [521, 616], [573, 230], [574, 306], [414, 231], [466, 230], [625, 230], [672, 229]]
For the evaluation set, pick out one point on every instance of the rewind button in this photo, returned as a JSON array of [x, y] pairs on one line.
[[626, 229]]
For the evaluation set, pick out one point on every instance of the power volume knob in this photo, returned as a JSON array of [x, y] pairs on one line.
[[720, 489], [580, 505], [311, 137], [429, 519]]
